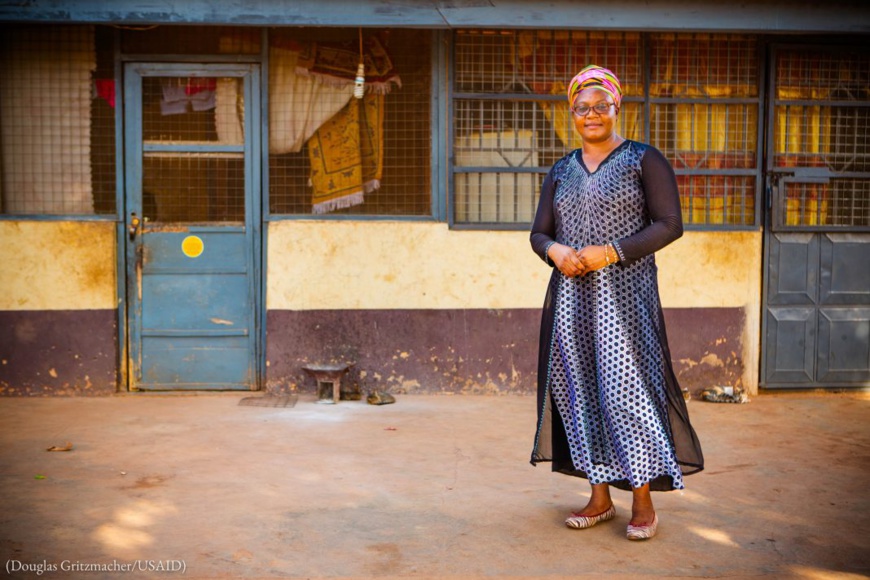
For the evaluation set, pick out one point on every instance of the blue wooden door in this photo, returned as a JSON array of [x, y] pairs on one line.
[[192, 251]]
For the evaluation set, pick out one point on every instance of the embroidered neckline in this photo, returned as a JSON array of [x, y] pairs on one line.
[[603, 161]]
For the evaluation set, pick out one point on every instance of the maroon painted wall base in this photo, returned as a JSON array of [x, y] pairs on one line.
[[400, 351], [469, 351], [58, 352]]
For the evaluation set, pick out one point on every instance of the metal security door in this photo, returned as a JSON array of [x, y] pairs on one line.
[[191, 138], [817, 285]]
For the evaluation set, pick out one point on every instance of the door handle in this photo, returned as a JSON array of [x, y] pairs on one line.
[[133, 228]]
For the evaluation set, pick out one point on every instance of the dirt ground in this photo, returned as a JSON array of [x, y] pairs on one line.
[[198, 486]]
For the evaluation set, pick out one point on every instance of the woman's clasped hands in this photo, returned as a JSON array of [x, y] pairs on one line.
[[574, 263]]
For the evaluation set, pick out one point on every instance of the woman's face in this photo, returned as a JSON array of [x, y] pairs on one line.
[[594, 127]]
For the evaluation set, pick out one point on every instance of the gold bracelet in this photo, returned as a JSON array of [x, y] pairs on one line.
[[607, 254]]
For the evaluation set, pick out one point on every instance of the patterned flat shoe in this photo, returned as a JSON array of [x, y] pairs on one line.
[[643, 532], [579, 522]]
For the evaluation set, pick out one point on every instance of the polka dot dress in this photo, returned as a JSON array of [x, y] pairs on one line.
[[606, 369]]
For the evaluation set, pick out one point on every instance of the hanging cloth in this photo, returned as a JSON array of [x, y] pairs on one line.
[[346, 156], [298, 104], [346, 153]]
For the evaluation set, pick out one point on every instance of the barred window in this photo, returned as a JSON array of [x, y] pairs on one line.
[[57, 120], [511, 119], [331, 153], [822, 135], [704, 112], [193, 186]]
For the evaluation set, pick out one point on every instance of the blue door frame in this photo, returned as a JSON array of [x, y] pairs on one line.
[[193, 274]]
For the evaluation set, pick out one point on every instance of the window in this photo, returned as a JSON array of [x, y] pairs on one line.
[[333, 154], [193, 186], [328, 153], [57, 121], [822, 135], [511, 120], [704, 111]]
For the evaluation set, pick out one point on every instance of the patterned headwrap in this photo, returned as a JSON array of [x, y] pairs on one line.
[[594, 76]]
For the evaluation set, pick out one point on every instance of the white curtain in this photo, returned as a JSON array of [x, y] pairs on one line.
[[298, 104], [229, 111]]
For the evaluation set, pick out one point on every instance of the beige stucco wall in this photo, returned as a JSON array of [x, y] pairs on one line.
[[349, 265], [377, 265], [57, 265], [373, 265]]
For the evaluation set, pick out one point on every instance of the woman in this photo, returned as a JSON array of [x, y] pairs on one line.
[[610, 409]]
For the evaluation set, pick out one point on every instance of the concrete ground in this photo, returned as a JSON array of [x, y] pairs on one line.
[[429, 487]]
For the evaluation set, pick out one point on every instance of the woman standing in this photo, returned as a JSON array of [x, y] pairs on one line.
[[610, 409]]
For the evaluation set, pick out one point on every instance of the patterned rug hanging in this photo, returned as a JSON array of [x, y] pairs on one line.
[[346, 153]]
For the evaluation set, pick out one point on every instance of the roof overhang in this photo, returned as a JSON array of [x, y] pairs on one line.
[[769, 16]]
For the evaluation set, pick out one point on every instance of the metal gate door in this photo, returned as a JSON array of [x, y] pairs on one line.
[[817, 284], [192, 186]]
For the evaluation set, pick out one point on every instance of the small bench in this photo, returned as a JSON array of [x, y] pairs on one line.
[[328, 377]]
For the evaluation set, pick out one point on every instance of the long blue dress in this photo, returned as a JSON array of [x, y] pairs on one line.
[[610, 408]]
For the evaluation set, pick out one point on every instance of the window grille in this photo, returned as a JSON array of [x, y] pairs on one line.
[[511, 119], [704, 112], [822, 132], [57, 121], [195, 186], [332, 154], [703, 102]]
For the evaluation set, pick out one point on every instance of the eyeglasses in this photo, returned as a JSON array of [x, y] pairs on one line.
[[601, 108]]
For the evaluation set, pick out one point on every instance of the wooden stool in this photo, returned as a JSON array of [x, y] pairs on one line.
[[328, 375]]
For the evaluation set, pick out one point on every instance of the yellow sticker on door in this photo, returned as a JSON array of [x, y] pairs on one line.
[[192, 246]]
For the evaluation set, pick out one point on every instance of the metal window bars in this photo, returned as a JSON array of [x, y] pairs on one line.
[[694, 96], [820, 157]]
